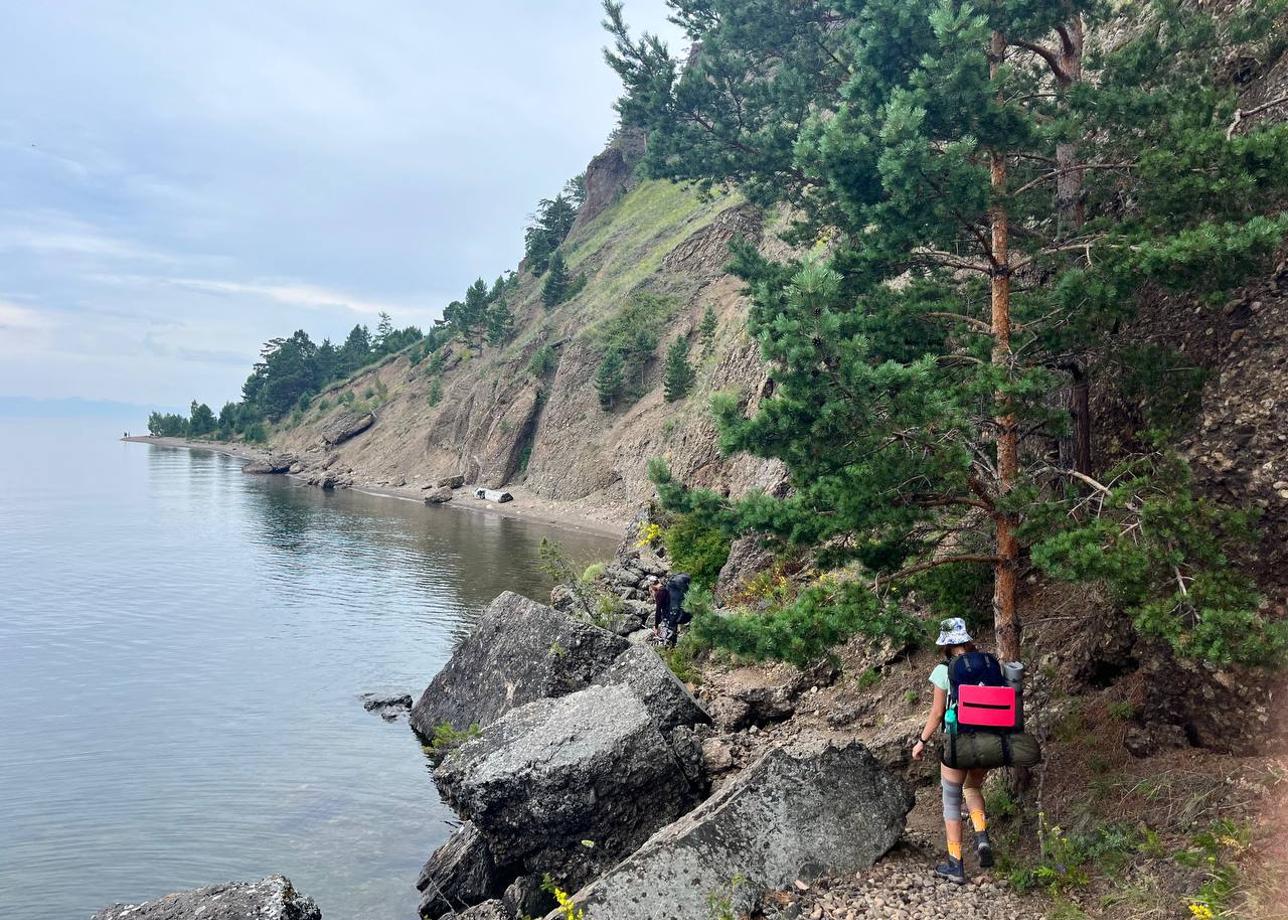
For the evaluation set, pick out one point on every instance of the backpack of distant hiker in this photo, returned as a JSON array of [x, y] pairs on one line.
[[980, 695]]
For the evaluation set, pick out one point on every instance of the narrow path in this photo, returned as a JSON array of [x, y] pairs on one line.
[[901, 887]]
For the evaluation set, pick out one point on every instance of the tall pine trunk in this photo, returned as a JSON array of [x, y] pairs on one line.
[[1005, 616]]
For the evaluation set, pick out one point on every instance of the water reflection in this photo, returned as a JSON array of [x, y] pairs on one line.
[[182, 648]]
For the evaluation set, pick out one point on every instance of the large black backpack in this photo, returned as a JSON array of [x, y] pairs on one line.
[[976, 669]]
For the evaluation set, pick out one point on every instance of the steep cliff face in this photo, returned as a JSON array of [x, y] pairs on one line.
[[653, 255]]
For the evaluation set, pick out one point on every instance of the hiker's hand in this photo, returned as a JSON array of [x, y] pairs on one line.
[[918, 749]]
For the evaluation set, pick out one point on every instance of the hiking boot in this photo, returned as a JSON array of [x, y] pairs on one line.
[[985, 849], [953, 870]]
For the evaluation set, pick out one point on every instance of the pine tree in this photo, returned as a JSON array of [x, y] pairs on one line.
[[201, 420], [708, 327], [610, 380], [384, 329], [679, 375], [549, 228], [500, 323], [971, 275], [554, 290]]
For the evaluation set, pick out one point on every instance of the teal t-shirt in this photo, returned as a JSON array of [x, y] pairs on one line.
[[939, 677]]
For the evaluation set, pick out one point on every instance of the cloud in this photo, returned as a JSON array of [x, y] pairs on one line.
[[295, 294], [51, 233], [21, 319]]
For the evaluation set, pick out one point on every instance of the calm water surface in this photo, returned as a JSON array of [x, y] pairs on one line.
[[182, 650]]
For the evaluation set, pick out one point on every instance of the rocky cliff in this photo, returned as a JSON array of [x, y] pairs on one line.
[[653, 255]]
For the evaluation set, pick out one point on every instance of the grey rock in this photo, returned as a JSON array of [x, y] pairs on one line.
[[668, 701], [747, 558], [1147, 740], [730, 714], [520, 651], [345, 425], [563, 599], [458, 874], [388, 706], [269, 465], [800, 809], [641, 610], [717, 755], [568, 785], [451, 482], [271, 898], [527, 898], [488, 910], [439, 496], [621, 576]]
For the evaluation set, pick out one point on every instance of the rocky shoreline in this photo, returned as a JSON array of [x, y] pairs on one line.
[[315, 470], [575, 758]]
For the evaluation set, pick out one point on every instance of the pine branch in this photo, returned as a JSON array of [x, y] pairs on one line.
[[883, 580], [977, 324], [1051, 57]]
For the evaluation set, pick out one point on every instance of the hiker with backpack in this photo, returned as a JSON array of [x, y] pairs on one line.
[[671, 614], [978, 704]]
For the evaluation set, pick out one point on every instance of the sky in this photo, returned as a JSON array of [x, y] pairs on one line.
[[181, 181]]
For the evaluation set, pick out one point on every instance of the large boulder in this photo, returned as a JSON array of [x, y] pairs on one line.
[[520, 651], [346, 425], [270, 465], [459, 873], [668, 701], [800, 810], [569, 785], [438, 496], [748, 557], [271, 898]]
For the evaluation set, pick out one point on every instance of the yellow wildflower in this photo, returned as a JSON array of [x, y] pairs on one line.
[[1201, 911]]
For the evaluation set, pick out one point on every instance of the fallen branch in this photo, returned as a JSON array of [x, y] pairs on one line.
[[1241, 114]]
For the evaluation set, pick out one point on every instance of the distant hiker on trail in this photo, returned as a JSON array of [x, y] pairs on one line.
[[675, 616], [978, 706]]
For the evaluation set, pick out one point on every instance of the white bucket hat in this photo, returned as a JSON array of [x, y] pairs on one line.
[[952, 631]]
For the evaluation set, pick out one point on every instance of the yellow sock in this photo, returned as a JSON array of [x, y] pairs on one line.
[[955, 849], [978, 821]]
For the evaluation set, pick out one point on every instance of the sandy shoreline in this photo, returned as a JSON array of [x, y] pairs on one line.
[[524, 507]]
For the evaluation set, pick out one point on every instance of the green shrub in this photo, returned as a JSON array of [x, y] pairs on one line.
[[435, 392], [543, 361], [593, 571], [964, 589], [447, 738], [822, 616], [709, 325], [255, 433], [868, 679], [324, 404], [697, 548], [679, 375], [1122, 710], [683, 658], [1068, 859]]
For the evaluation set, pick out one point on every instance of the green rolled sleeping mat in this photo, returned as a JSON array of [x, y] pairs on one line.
[[989, 750]]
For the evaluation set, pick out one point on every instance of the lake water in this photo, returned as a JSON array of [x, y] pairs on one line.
[[182, 651]]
